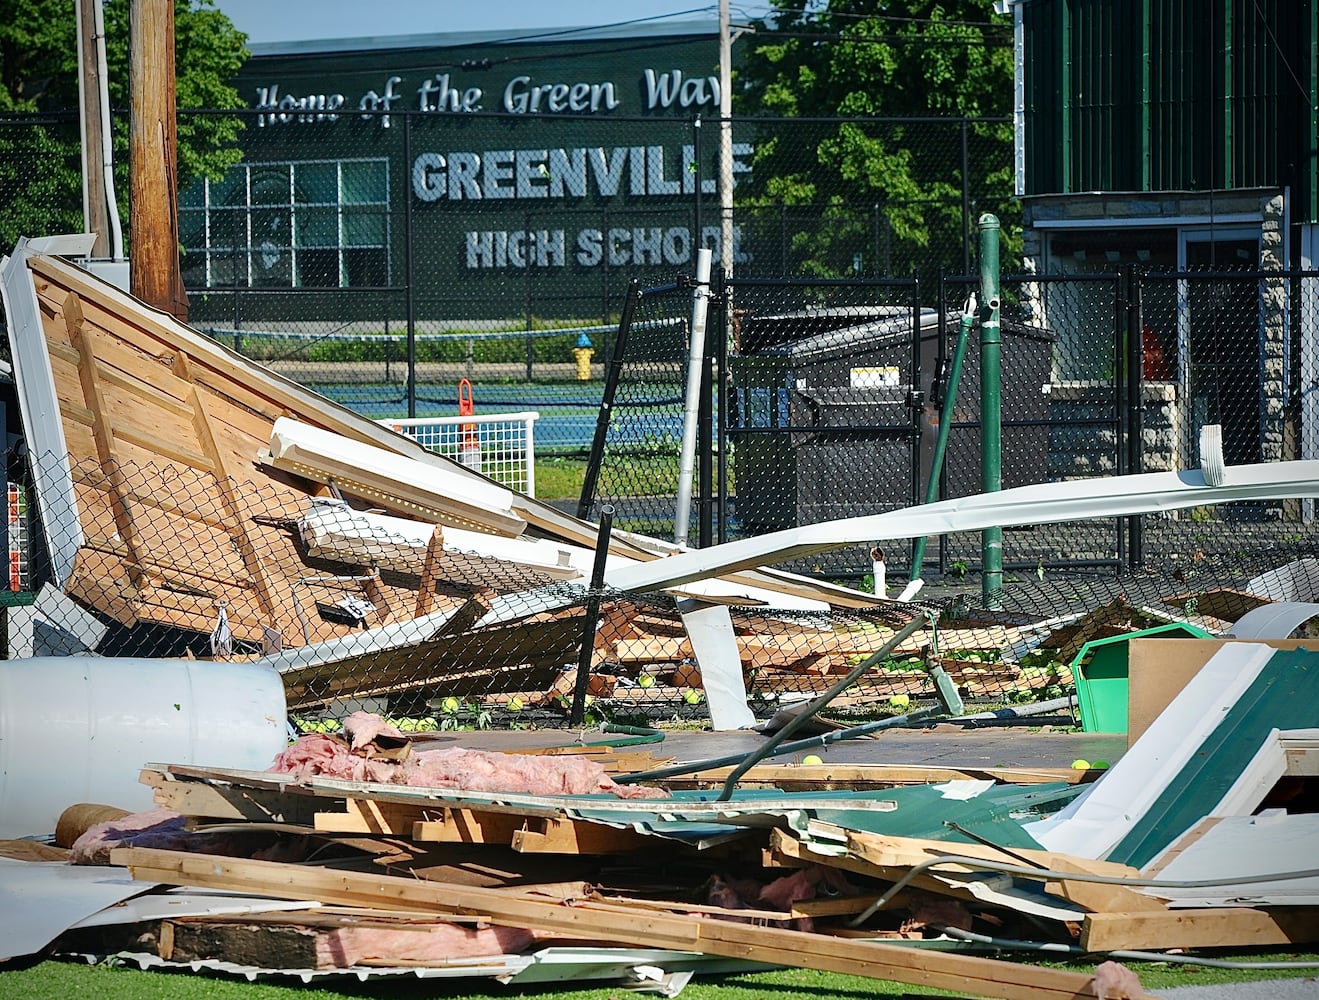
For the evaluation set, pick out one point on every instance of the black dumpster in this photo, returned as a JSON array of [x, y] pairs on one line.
[[838, 423], [822, 426], [1026, 367]]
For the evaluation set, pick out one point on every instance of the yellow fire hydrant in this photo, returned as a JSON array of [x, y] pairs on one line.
[[582, 354]]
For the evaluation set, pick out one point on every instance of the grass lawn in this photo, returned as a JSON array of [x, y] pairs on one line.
[[63, 980], [559, 477]]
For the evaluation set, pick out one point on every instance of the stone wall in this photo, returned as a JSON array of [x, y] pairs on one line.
[[1083, 441]]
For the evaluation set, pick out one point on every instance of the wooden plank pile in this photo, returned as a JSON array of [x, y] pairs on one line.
[[807, 877]]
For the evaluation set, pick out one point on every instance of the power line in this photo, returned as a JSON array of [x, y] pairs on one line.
[[896, 18], [887, 39]]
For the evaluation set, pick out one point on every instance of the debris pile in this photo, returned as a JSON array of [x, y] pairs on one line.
[[1197, 838]]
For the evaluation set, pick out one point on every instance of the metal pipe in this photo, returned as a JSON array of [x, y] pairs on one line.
[[945, 423], [991, 410], [107, 140], [592, 617], [613, 372], [633, 736], [409, 295], [1023, 711], [695, 369], [726, 234], [808, 743], [808, 713]]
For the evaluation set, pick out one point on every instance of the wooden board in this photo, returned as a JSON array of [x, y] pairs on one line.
[[1228, 927], [223, 801], [1158, 669], [963, 973]]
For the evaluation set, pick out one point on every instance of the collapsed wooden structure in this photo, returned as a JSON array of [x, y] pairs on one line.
[[184, 489]]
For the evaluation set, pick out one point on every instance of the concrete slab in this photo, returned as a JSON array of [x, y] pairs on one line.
[[941, 746]]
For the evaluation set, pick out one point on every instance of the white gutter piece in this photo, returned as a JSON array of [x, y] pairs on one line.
[[1046, 503], [710, 631], [381, 476], [330, 528], [43, 428]]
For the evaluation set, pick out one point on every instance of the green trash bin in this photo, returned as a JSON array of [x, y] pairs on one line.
[[1100, 670]]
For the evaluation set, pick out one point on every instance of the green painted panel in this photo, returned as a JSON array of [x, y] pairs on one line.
[[1285, 696], [917, 811], [1168, 95]]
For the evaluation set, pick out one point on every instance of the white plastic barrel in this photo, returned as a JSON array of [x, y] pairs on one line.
[[80, 728]]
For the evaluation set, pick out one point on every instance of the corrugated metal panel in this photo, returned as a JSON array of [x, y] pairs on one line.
[[1171, 95], [1285, 696], [1043, 32]]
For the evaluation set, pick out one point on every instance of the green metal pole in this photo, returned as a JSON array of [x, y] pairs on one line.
[[945, 425], [991, 413]]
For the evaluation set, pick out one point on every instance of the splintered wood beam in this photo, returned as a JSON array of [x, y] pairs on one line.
[[468, 614], [235, 522], [882, 849], [587, 921], [82, 337], [374, 589], [898, 852], [430, 572], [228, 802]]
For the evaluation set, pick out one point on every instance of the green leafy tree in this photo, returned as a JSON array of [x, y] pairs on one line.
[[40, 161], [879, 192]]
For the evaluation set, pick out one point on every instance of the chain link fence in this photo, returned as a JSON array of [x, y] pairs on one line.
[[362, 611], [379, 257], [376, 270]]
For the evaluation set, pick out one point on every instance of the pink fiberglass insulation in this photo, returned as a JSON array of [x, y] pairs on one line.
[[362, 728], [434, 944], [316, 753], [160, 828], [483, 771], [166, 830], [1114, 981], [466, 770], [780, 894]]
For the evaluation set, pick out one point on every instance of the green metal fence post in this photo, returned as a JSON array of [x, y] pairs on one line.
[[991, 430]]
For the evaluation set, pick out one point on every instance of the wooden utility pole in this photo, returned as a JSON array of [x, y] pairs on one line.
[[94, 204], [154, 215]]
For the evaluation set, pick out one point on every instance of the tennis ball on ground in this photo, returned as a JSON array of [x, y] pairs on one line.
[[812, 758], [1101, 765], [1080, 764], [450, 705], [515, 704], [692, 697], [645, 680], [899, 700]]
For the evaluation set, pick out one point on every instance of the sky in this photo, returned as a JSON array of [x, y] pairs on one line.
[[293, 20]]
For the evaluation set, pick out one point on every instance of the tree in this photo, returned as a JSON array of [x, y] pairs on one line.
[[884, 188], [40, 161]]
